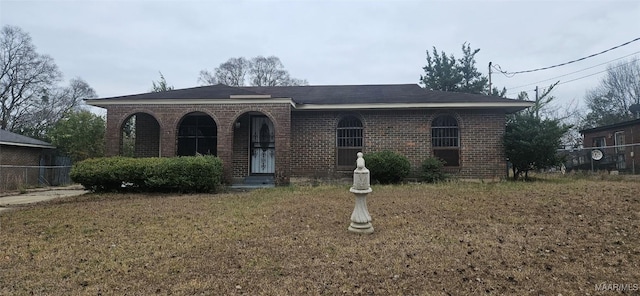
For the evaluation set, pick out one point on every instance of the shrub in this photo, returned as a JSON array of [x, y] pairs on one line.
[[387, 167], [432, 170], [182, 174], [186, 174], [107, 173]]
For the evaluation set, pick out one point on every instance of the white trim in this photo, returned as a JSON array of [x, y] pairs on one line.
[[250, 96], [102, 102], [245, 100], [26, 145], [414, 105]]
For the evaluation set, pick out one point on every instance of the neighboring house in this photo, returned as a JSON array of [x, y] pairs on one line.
[[618, 143], [286, 132], [20, 160]]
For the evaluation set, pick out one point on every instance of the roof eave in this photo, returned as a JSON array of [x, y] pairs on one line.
[[238, 100], [26, 145], [610, 126], [509, 107]]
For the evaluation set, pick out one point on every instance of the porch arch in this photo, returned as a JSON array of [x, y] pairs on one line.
[[139, 135], [254, 145], [197, 133]]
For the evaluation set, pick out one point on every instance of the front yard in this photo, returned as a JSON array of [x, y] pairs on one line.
[[555, 236]]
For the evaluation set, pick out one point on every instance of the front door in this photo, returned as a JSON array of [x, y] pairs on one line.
[[262, 146]]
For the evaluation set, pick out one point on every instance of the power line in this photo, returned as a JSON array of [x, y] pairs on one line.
[[511, 74], [581, 70], [582, 77], [618, 66]]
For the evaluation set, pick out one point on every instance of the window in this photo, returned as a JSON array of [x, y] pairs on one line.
[[599, 142], [349, 141], [619, 140], [445, 140], [197, 134]]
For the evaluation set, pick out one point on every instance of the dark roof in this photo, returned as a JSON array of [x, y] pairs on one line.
[[610, 126], [324, 94], [218, 91], [369, 94], [13, 139]]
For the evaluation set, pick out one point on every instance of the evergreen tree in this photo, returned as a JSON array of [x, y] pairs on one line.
[[161, 85], [472, 80], [531, 143], [446, 73]]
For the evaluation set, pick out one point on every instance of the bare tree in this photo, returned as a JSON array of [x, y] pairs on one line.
[[25, 76], [546, 108], [267, 71], [52, 107], [542, 103], [233, 71], [206, 78], [262, 71], [609, 102]]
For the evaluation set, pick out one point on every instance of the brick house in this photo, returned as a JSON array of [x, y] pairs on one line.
[[20, 159], [286, 132], [619, 144]]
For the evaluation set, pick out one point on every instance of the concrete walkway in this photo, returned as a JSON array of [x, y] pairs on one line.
[[39, 195]]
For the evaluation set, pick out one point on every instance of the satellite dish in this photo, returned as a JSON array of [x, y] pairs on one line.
[[596, 154], [635, 108]]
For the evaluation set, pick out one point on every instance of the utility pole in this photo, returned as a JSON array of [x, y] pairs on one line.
[[489, 78], [537, 104]]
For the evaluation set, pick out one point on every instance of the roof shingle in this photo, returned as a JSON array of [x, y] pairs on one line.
[[323, 94], [13, 139]]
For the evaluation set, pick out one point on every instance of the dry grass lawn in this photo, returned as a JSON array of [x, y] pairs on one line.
[[547, 237]]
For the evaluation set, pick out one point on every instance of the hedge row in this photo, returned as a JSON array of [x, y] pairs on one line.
[[388, 167], [177, 174]]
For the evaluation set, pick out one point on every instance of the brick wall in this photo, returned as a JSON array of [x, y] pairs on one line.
[[306, 140], [241, 148], [147, 136], [225, 115], [631, 136], [12, 178], [408, 132], [482, 155]]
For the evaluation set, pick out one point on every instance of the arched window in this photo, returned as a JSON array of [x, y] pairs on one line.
[[197, 134], [445, 139], [348, 141]]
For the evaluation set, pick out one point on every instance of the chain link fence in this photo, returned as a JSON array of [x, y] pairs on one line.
[[13, 177], [620, 158]]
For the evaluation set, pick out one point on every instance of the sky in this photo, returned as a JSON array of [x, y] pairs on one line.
[[119, 47]]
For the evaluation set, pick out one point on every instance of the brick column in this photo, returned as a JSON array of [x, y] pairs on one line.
[[112, 135], [282, 116]]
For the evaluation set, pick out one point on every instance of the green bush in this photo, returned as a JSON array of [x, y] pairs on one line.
[[107, 173], [432, 170], [185, 174], [178, 174], [387, 167]]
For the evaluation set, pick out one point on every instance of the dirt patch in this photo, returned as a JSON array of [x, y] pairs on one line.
[[504, 238]]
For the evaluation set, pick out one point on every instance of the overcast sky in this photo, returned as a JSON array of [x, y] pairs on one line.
[[119, 47]]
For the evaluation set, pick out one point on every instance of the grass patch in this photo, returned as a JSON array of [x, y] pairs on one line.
[[456, 238]]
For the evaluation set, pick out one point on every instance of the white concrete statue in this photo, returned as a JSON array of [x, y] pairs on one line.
[[360, 218]]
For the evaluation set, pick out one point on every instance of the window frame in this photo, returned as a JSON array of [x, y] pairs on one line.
[[445, 138], [195, 135], [617, 140], [595, 142], [347, 137]]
